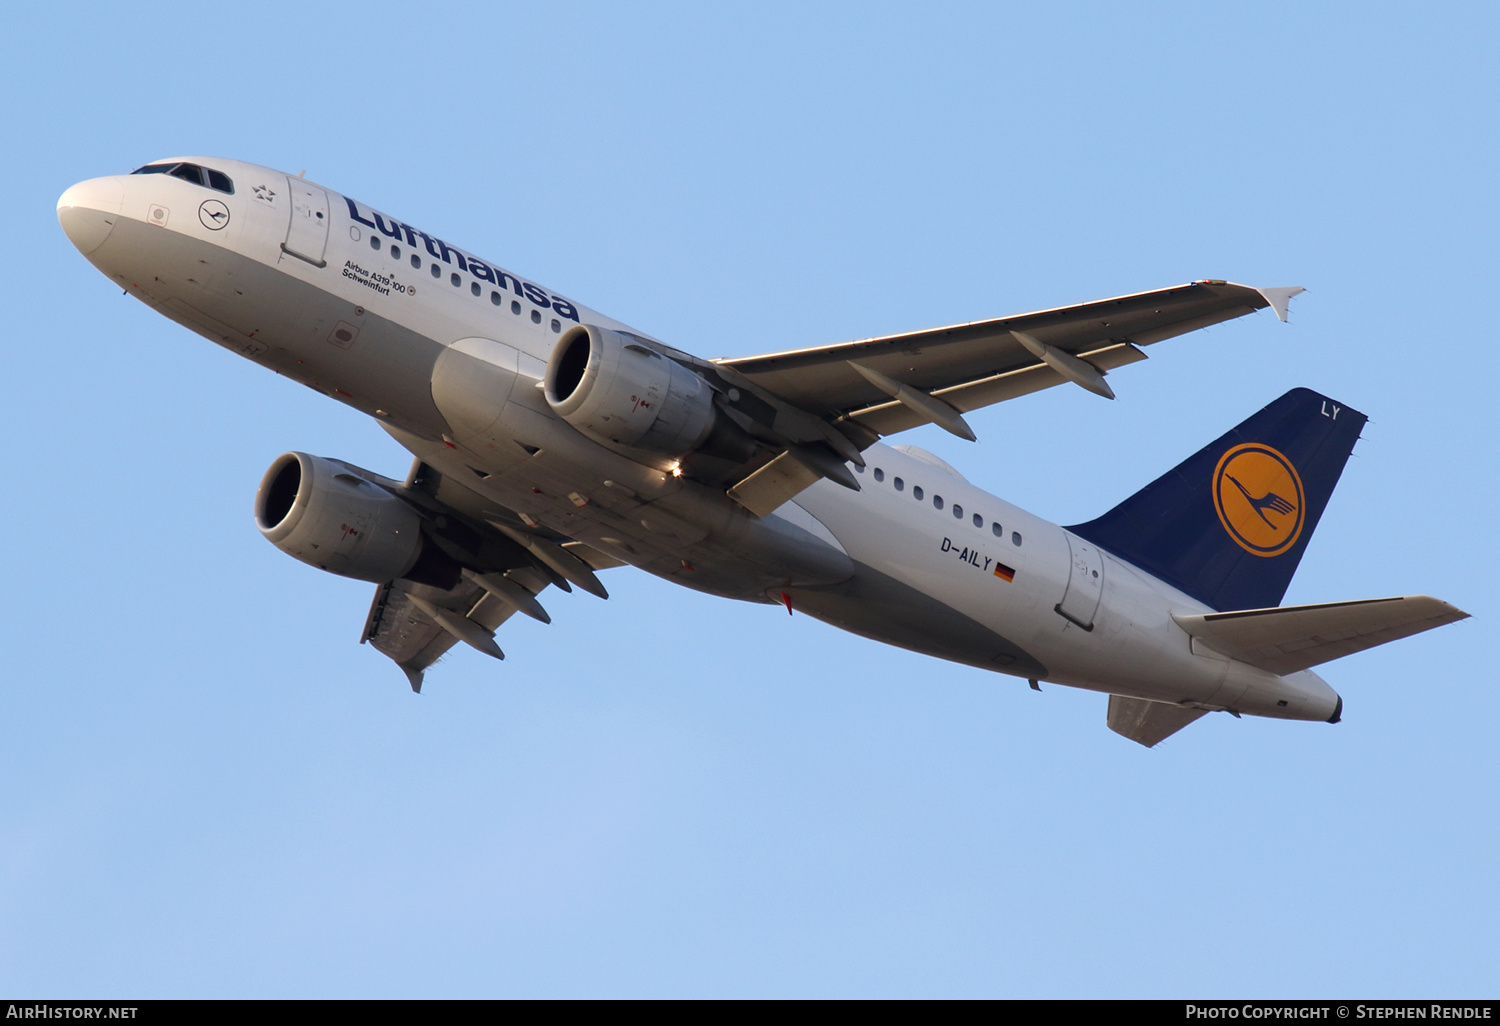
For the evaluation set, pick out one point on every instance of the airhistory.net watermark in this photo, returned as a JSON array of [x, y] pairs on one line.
[[44, 1010]]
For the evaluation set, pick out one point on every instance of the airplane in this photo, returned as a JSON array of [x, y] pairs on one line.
[[552, 443]]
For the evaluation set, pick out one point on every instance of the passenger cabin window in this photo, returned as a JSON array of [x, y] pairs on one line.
[[515, 306], [879, 474], [900, 484], [997, 530], [978, 520], [916, 492], [416, 261], [536, 317], [375, 242], [958, 512], [937, 502]]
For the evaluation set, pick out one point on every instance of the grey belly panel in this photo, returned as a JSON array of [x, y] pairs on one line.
[[877, 606]]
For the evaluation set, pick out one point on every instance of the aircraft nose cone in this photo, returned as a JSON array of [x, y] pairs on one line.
[[88, 211]]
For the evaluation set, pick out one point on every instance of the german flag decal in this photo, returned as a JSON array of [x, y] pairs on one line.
[[1004, 572]]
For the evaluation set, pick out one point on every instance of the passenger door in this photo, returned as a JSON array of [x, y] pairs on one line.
[[1080, 600], [307, 232]]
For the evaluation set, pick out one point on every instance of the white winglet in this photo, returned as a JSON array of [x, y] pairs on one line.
[[1279, 298]]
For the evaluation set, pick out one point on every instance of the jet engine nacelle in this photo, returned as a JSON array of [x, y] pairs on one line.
[[619, 392], [326, 515]]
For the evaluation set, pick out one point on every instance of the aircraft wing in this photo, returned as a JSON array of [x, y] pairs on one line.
[[967, 366], [416, 624], [410, 635]]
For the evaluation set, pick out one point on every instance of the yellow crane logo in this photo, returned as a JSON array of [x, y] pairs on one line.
[[1258, 497]]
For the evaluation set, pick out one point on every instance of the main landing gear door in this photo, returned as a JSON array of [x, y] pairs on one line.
[[1085, 583], [307, 234]]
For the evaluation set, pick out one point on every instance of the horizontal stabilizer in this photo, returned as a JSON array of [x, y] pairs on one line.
[[1148, 723], [1291, 638]]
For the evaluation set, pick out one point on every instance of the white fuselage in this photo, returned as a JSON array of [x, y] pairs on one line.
[[446, 351]]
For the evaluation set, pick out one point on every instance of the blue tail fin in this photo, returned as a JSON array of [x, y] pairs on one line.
[[1228, 526]]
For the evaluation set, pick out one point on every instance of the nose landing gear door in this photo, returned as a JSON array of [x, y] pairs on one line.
[[1085, 583], [307, 234]]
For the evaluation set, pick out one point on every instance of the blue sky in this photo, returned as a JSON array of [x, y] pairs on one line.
[[211, 789]]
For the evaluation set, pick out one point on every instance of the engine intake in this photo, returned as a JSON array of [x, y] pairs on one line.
[[620, 392], [324, 514]]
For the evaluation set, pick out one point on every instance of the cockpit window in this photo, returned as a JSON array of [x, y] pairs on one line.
[[188, 173], [216, 180]]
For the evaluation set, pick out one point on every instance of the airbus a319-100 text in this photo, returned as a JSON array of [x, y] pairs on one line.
[[552, 442]]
